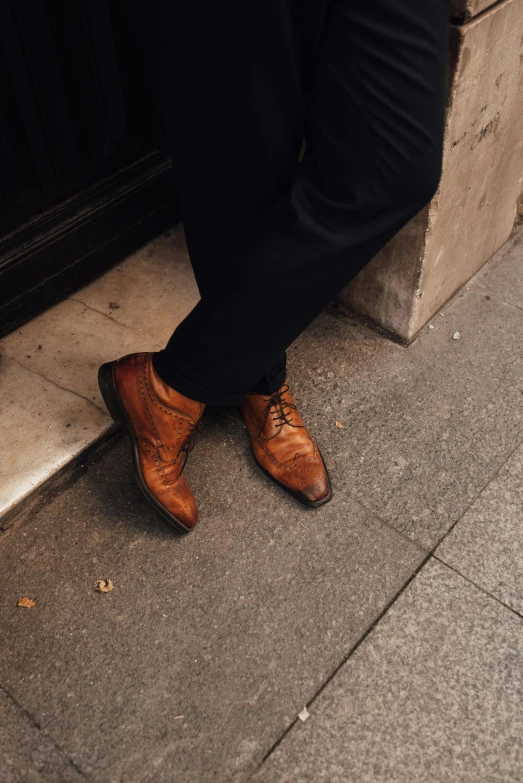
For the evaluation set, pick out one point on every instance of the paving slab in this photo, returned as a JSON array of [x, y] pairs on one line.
[[487, 543], [151, 291], [67, 345], [209, 644], [424, 427], [43, 427], [503, 275], [27, 755], [433, 694]]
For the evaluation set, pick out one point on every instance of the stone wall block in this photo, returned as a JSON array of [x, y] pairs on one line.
[[474, 210]]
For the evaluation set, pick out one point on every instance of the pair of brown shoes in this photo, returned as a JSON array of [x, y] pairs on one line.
[[162, 425]]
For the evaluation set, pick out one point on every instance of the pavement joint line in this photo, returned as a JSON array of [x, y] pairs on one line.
[[374, 624], [348, 655], [100, 312], [49, 380], [476, 496], [453, 300], [479, 587], [389, 525], [35, 724]]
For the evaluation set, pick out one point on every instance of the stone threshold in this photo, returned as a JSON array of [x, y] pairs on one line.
[[52, 410]]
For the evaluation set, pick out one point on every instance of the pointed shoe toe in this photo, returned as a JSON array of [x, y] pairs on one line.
[[283, 447]]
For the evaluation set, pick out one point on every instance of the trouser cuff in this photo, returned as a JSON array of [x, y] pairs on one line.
[[270, 386], [196, 392]]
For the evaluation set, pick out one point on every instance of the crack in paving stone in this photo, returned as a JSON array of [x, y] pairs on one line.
[[54, 383]]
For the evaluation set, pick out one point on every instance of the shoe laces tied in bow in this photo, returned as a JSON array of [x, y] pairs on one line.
[[280, 410]]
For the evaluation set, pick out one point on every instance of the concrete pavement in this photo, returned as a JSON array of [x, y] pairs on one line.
[[394, 613]]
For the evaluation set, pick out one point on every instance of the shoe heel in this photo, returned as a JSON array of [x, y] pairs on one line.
[[109, 391]]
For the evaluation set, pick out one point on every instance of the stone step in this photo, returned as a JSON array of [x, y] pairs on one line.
[[52, 409]]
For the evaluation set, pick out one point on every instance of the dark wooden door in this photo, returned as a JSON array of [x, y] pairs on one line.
[[81, 177]]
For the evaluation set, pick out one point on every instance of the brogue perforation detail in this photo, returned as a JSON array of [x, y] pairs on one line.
[[147, 396]]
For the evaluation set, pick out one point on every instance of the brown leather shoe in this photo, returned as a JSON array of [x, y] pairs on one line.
[[283, 448], [161, 424]]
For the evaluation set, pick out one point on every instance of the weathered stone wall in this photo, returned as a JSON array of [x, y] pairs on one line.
[[474, 210]]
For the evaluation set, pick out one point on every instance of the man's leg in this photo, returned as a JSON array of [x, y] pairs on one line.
[[374, 128], [233, 80]]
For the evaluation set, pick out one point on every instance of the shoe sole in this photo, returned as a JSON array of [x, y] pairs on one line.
[[117, 410]]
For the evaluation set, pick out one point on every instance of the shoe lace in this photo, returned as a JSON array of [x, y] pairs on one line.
[[280, 410], [188, 445]]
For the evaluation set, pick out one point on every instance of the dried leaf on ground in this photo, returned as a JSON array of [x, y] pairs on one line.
[[26, 602], [104, 585], [339, 425]]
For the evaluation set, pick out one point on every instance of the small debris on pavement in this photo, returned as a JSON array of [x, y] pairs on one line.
[[339, 425], [431, 326], [456, 336], [114, 305], [26, 602], [304, 714], [104, 585], [178, 717]]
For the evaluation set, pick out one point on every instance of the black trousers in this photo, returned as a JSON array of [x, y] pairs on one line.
[[272, 241]]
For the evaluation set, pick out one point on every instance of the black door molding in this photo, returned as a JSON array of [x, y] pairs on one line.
[[52, 255]]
